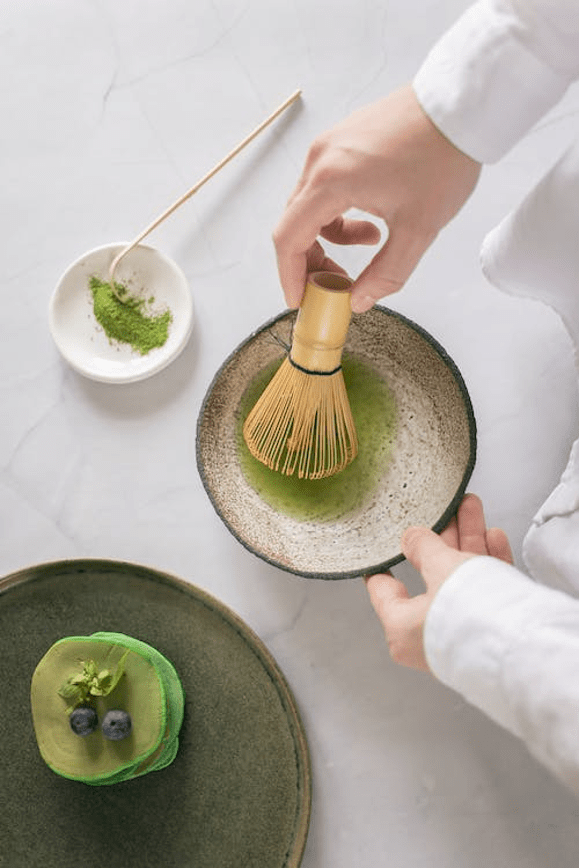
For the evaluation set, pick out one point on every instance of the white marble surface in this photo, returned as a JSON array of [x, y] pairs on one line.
[[109, 111]]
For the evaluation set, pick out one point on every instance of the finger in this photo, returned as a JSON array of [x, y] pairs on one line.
[[498, 545], [347, 231], [402, 618], [295, 235], [292, 271], [313, 155], [314, 260], [450, 535], [317, 260], [430, 555], [385, 590], [471, 525], [389, 269]]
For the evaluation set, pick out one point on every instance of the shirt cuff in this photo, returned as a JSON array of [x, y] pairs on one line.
[[483, 86], [509, 646], [469, 628]]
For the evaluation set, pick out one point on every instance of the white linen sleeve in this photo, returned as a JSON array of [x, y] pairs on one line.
[[510, 647], [497, 71]]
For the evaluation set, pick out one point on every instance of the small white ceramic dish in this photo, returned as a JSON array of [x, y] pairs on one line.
[[82, 341]]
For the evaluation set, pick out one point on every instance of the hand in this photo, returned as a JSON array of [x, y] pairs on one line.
[[387, 159], [436, 557]]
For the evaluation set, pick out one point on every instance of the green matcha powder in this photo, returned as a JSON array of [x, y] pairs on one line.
[[127, 321]]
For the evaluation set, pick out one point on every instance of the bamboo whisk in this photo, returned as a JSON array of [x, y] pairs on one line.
[[302, 422]]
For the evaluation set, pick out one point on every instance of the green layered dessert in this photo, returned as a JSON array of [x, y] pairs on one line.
[[106, 708]]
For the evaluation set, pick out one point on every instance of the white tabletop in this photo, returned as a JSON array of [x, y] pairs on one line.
[[110, 111]]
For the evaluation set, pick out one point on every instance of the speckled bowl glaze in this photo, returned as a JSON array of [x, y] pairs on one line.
[[422, 481]]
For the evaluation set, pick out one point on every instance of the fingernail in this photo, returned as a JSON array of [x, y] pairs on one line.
[[360, 304]]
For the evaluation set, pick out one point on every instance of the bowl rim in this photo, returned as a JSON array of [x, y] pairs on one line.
[[441, 522], [147, 367]]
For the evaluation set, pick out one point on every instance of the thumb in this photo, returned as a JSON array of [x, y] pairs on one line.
[[384, 592], [430, 555], [390, 267]]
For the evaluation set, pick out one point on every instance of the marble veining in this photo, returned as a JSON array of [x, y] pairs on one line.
[[110, 111]]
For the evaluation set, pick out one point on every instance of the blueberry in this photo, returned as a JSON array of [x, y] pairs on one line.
[[116, 724], [83, 720]]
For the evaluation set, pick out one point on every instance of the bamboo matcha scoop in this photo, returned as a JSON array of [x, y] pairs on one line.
[[194, 189]]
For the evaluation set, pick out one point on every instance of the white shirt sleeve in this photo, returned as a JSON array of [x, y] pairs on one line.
[[510, 647], [497, 71]]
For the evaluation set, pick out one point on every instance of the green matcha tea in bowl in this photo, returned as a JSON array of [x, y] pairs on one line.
[[416, 437]]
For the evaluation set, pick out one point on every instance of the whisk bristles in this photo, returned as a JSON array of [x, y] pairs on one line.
[[302, 423]]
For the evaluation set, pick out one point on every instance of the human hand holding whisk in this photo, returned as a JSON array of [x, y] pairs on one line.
[[389, 160]]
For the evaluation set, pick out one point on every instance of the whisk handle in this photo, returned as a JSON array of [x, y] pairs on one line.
[[322, 323]]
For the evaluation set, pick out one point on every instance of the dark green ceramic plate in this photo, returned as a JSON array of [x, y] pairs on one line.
[[239, 790]]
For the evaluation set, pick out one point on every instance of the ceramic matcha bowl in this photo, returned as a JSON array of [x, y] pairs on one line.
[[417, 444]]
